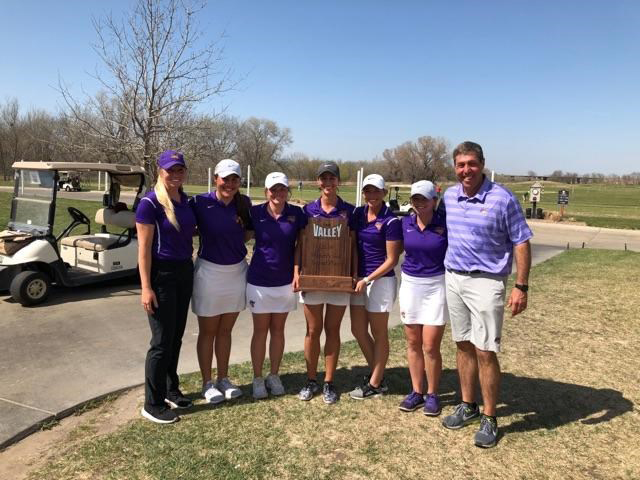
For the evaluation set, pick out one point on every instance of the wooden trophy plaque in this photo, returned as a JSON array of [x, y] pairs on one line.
[[326, 256]]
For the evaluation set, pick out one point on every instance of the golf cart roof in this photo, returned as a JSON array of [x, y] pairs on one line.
[[80, 167]]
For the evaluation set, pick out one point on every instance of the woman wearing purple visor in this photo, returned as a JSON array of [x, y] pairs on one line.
[[329, 205], [220, 275], [165, 226], [379, 240], [423, 303], [270, 294]]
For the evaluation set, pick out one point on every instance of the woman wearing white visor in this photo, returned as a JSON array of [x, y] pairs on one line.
[[423, 303], [270, 294], [379, 241]]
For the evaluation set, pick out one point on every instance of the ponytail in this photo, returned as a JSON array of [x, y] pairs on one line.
[[243, 203], [167, 204]]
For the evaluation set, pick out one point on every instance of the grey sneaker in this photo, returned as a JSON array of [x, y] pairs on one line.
[[228, 389], [274, 384], [461, 416], [259, 388], [329, 394], [309, 390], [487, 435], [365, 391]]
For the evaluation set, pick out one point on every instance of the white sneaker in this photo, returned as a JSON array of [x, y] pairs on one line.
[[228, 389], [212, 394], [274, 385], [259, 389]]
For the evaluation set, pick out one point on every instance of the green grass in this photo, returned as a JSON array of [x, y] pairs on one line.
[[566, 408]]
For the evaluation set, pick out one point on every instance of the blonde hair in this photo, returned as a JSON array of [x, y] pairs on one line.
[[163, 199]]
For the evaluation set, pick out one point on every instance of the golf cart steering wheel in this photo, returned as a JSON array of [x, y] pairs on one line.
[[78, 216]]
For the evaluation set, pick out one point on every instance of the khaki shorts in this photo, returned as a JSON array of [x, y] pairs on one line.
[[476, 308]]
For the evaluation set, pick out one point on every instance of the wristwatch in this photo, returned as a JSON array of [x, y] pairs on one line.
[[522, 288]]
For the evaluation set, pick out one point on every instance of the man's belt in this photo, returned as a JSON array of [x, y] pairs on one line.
[[464, 272]]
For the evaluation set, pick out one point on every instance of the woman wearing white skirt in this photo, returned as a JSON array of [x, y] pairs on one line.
[[423, 306], [270, 294], [220, 275]]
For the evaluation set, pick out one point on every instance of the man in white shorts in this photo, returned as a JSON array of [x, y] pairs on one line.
[[486, 228]]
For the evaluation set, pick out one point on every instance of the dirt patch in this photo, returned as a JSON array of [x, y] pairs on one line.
[[19, 460]]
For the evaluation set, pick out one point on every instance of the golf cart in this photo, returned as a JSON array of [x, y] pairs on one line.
[[32, 258], [393, 203], [69, 183]]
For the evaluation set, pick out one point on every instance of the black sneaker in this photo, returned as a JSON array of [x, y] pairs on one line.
[[487, 435], [176, 399], [309, 390], [329, 394], [365, 391], [384, 388], [461, 416], [159, 415]]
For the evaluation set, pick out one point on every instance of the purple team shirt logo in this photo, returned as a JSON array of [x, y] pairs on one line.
[[291, 219], [379, 225], [343, 213]]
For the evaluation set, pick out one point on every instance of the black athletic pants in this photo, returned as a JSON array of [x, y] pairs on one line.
[[172, 282]]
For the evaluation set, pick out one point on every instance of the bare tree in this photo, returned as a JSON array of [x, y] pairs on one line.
[[155, 72], [11, 127], [260, 143], [426, 159]]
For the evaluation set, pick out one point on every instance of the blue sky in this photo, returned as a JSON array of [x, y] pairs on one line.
[[542, 85]]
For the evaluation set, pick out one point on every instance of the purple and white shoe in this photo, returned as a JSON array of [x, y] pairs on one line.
[[412, 402], [432, 405]]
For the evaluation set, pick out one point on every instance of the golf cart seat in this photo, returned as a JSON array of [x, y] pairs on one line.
[[100, 243]]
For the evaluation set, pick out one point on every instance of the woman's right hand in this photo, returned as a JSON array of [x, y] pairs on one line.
[[148, 300], [296, 282]]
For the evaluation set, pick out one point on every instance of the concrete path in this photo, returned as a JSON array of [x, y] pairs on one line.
[[87, 342]]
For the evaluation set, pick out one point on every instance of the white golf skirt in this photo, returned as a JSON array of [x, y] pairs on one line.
[[320, 298], [218, 289], [280, 299], [423, 300], [379, 296]]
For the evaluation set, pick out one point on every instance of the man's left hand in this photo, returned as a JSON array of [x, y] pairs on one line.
[[517, 301]]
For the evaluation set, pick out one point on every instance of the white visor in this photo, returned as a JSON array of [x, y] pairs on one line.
[[424, 188], [375, 180], [227, 167], [276, 178]]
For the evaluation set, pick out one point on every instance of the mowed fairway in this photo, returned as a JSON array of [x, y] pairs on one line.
[[569, 405]]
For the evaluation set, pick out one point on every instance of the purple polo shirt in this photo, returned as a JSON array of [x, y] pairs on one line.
[[483, 229], [168, 243], [424, 250], [342, 209], [220, 228], [273, 253], [372, 238]]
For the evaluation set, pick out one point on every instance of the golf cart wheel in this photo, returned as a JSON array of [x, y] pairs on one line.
[[30, 288], [67, 188]]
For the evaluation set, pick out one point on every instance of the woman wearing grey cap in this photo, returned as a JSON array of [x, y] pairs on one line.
[[329, 205]]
